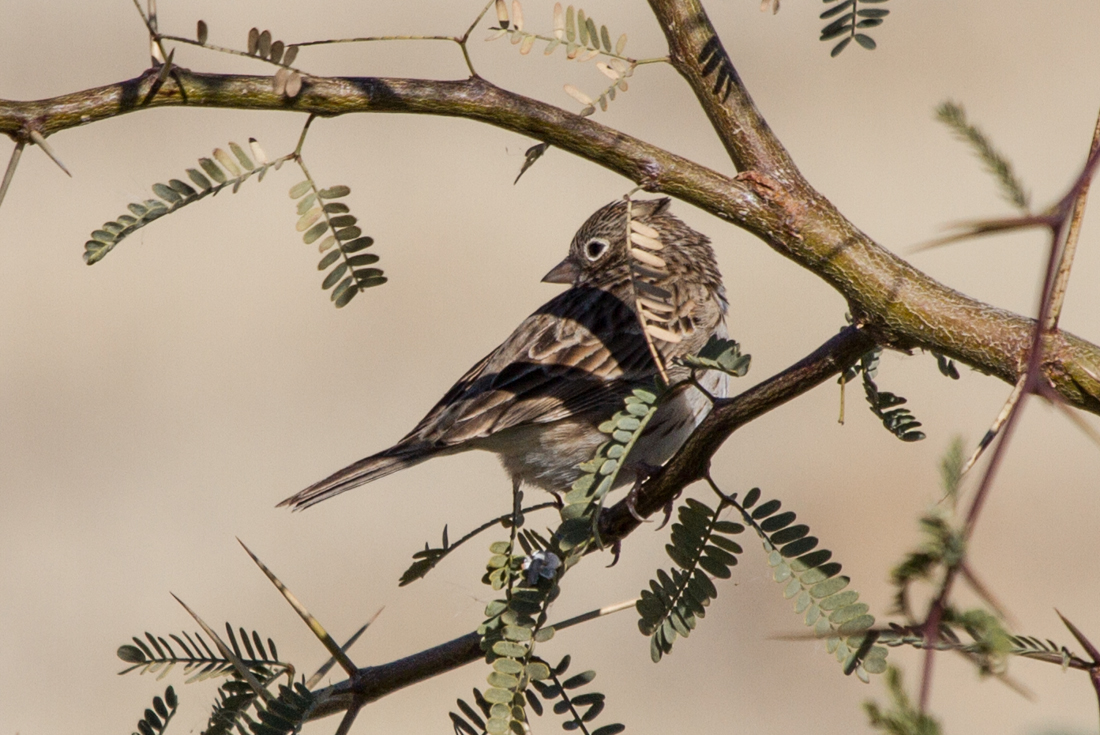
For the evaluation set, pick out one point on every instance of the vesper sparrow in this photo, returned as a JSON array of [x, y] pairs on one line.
[[538, 398]]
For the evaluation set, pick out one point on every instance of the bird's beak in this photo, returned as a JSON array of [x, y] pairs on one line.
[[564, 272]]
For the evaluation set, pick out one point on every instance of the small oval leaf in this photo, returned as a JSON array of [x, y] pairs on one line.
[[335, 192]]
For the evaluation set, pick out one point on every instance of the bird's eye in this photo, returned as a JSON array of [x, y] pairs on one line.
[[595, 247]]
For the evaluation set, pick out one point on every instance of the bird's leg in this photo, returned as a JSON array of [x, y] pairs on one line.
[[517, 503], [559, 499]]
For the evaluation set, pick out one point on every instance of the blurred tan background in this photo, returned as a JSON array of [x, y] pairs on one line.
[[157, 406]]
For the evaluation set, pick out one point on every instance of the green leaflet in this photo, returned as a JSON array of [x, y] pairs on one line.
[[818, 591], [226, 171], [699, 545], [850, 19], [319, 215], [155, 654]]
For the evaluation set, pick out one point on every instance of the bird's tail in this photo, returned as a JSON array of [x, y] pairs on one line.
[[360, 473]]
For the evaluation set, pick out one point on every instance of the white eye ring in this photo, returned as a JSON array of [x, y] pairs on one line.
[[595, 248]]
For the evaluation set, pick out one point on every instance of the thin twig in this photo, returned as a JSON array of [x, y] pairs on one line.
[[658, 358], [154, 36], [349, 718], [1073, 416], [978, 228], [465, 37], [1090, 649], [302, 136], [1061, 215], [931, 625], [9, 172], [369, 39], [986, 594], [231, 51]]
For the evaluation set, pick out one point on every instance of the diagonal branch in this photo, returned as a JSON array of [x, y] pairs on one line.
[[690, 464], [692, 461], [902, 306], [696, 51]]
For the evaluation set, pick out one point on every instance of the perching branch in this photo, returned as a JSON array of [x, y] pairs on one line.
[[903, 307], [893, 304], [616, 523]]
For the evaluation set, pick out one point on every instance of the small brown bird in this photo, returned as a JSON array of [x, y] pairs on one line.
[[538, 398]]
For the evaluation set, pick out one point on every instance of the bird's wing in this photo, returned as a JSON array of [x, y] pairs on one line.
[[577, 354]]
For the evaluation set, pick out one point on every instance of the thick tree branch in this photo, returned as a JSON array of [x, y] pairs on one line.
[[372, 683], [692, 461], [901, 306], [696, 51], [893, 303]]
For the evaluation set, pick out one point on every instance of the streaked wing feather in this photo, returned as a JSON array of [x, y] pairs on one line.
[[578, 353]]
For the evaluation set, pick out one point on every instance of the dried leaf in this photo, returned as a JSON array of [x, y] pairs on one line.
[[578, 95], [655, 305], [257, 151], [643, 229], [517, 15], [646, 242], [662, 334], [644, 256], [227, 162]]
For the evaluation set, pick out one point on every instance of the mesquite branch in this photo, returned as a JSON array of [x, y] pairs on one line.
[[901, 306], [893, 303], [690, 464]]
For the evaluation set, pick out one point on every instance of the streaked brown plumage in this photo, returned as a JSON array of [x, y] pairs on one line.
[[538, 398]]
